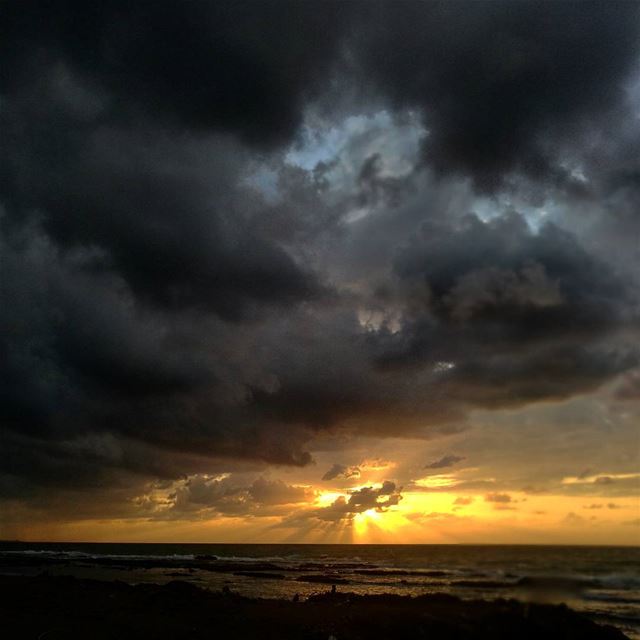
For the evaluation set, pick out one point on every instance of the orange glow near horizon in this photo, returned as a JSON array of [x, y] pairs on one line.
[[439, 517]]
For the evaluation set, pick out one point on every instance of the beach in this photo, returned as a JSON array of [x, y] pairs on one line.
[[51, 608]]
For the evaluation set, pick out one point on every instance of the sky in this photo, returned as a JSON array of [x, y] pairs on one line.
[[295, 271]]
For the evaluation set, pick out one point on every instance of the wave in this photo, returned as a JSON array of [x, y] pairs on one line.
[[83, 555], [620, 581], [612, 598]]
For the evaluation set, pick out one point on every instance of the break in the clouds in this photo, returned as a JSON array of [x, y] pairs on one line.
[[235, 234]]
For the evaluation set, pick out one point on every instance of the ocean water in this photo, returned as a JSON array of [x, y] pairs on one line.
[[602, 582]]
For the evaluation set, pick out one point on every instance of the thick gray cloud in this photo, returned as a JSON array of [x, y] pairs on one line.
[[166, 309], [517, 313], [201, 495]]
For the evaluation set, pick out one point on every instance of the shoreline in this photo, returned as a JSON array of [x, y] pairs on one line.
[[562, 545], [52, 608]]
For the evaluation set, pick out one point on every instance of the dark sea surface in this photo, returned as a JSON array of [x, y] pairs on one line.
[[603, 582]]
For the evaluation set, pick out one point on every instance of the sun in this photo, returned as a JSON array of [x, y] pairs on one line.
[[372, 524]]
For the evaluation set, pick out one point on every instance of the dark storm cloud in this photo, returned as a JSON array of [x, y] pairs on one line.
[[494, 79], [164, 216], [514, 313], [84, 364], [120, 239], [499, 80], [247, 68], [160, 318]]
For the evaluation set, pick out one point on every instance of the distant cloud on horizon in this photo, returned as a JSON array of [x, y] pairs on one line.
[[444, 462]]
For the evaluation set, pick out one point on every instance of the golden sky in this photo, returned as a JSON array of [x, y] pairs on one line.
[[511, 481]]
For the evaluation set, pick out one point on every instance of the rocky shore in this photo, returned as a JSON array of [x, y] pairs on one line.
[[52, 608]]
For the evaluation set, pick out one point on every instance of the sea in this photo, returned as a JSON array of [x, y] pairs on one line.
[[601, 582]]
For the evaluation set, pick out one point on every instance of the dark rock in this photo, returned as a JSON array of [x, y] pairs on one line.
[[323, 579], [265, 575]]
